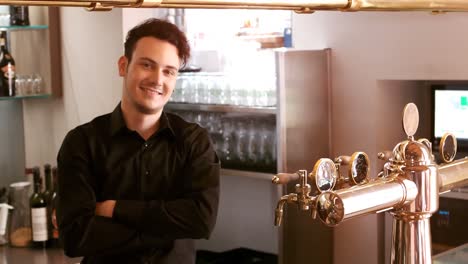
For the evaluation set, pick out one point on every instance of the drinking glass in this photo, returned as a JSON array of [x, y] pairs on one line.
[[183, 89], [175, 96], [253, 153], [227, 152], [36, 80], [20, 85], [241, 142], [193, 95], [236, 91], [203, 88], [28, 84], [20, 224], [271, 91]]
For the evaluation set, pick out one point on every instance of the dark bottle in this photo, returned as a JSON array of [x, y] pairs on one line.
[[53, 217], [19, 15], [7, 66], [38, 212], [48, 197], [50, 194]]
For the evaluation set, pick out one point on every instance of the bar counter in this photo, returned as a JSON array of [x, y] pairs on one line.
[[458, 255], [10, 255]]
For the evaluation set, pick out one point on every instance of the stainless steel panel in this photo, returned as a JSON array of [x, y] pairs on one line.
[[303, 137]]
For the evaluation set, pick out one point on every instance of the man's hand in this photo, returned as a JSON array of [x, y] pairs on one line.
[[105, 208]]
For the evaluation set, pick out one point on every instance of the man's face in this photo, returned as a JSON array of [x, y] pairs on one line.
[[150, 76]]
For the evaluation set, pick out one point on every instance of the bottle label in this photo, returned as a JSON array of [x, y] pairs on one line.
[[9, 72], [39, 223]]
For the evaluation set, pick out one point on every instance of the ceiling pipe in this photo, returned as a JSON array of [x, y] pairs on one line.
[[299, 6]]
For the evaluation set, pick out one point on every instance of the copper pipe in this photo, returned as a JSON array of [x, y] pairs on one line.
[[300, 6], [453, 175], [233, 4], [375, 196], [411, 234], [48, 3], [411, 241]]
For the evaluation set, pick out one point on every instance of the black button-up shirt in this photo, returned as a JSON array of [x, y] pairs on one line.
[[166, 190]]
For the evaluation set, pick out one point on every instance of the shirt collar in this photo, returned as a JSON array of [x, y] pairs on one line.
[[165, 123], [118, 122]]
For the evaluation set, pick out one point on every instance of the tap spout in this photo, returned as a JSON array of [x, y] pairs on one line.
[[280, 207]]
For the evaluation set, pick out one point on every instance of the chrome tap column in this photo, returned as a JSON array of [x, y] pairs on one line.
[[408, 187], [411, 237]]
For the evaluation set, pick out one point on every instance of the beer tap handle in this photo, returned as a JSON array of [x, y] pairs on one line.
[[385, 155], [343, 160], [284, 178]]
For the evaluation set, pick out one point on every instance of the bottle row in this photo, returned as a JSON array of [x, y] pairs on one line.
[[218, 88], [242, 141], [28, 84], [27, 216], [14, 15]]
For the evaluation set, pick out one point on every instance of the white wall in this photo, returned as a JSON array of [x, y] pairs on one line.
[[91, 45], [368, 48]]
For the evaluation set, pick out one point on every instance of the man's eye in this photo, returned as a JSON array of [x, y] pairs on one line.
[[170, 72], [146, 65]]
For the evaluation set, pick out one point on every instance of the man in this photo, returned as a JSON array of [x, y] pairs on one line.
[[138, 185]]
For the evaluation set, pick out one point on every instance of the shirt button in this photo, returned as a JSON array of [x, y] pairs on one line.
[[145, 145], [146, 172]]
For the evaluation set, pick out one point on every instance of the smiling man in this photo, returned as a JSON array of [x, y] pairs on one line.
[[139, 184]]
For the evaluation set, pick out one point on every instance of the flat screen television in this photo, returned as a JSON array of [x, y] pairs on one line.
[[450, 114]]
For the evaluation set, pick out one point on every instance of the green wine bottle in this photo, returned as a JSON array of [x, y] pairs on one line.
[[49, 195], [38, 212]]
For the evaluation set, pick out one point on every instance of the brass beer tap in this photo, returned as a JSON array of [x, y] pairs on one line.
[[408, 187], [301, 197]]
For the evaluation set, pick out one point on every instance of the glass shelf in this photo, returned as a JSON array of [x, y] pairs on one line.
[[222, 108], [19, 28], [30, 96]]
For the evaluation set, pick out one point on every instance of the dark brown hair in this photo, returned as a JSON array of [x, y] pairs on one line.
[[159, 29]]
